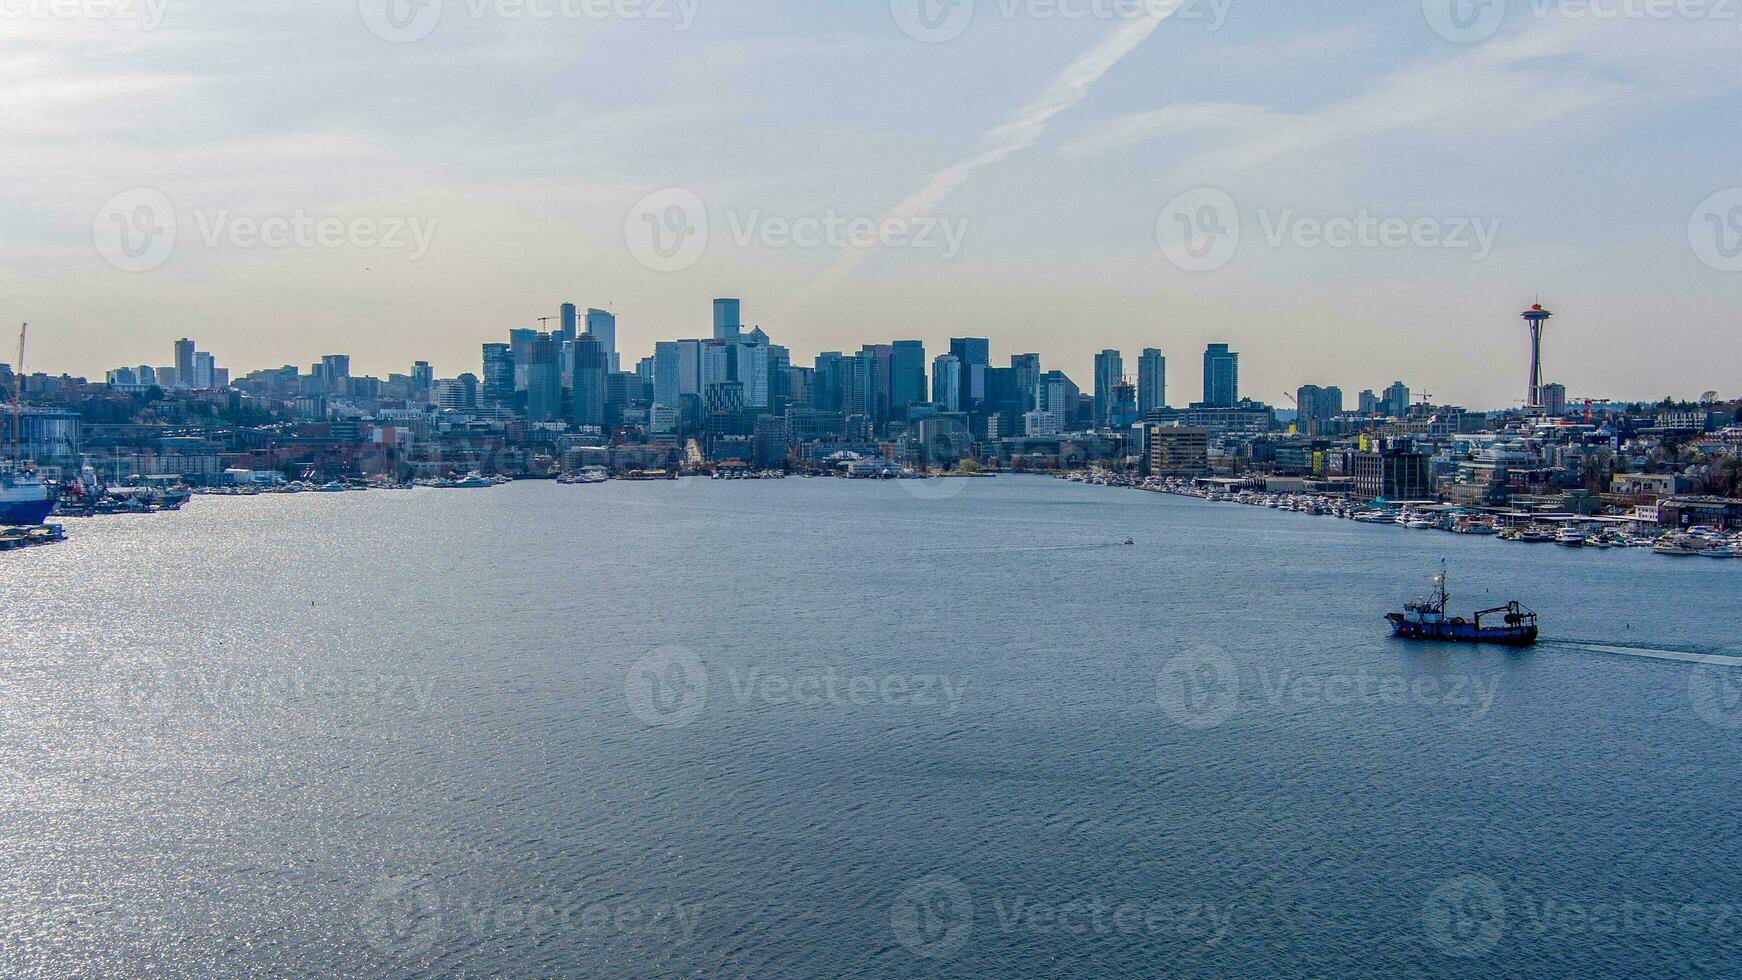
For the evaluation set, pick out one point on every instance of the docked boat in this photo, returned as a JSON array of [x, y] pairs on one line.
[[1426, 619], [1532, 535], [1571, 537], [24, 499], [1678, 546]]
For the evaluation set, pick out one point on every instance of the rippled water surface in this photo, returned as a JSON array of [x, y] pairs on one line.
[[813, 728]]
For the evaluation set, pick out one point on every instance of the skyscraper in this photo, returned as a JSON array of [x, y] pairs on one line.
[[498, 375], [1027, 368], [1221, 377], [906, 377], [544, 379], [975, 353], [569, 327], [1538, 319], [1109, 372], [1369, 402], [665, 373], [946, 382], [587, 404], [728, 319], [1397, 400], [184, 362], [1151, 382], [603, 328]]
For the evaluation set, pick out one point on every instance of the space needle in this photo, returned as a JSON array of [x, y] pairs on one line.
[[1537, 317]]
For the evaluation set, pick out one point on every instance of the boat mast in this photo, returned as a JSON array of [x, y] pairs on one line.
[[17, 400], [1440, 595]]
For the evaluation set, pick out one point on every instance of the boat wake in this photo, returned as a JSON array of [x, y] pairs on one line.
[[1649, 653]]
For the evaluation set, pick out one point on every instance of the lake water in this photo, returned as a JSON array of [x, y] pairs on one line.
[[817, 728]]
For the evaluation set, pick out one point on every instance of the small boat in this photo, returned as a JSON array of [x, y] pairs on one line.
[[1677, 547], [1534, 536], [1571, 537], [1426, 619]]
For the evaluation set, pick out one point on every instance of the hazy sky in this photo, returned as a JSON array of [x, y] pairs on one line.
[[1064, 175]]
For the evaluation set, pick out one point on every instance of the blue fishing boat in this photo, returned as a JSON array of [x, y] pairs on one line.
[[1426, 619]]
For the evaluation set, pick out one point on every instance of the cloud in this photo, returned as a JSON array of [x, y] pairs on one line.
[[1021, 131]]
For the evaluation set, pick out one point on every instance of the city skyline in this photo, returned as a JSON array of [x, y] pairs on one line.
[[1056, 150]]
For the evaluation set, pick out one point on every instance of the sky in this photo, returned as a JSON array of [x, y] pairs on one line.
[[1348, 194]]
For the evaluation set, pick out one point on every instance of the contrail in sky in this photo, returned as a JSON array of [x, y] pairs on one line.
[[1020, 132]]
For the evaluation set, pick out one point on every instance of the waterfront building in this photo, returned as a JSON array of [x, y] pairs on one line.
[[1393, 472], [1221, 376], [1151, 381], [1178, 451]]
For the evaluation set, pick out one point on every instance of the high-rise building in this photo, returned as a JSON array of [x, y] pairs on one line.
[[184, 362], [1554, 400], [1397, 400], [587, 406], [1151, 381], [1368, 402], [975, 353], [570, 328], [1109, 372], [728, 319], [422, 376], [457, 394], [1059, 395], [544, 379], [602, 326], [946, 382], [498, 381], [1221, 377], [1316, 405], [1027, 368], [665, 373], [520, 342], [906, 377], [872, 386], [205, 371]]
